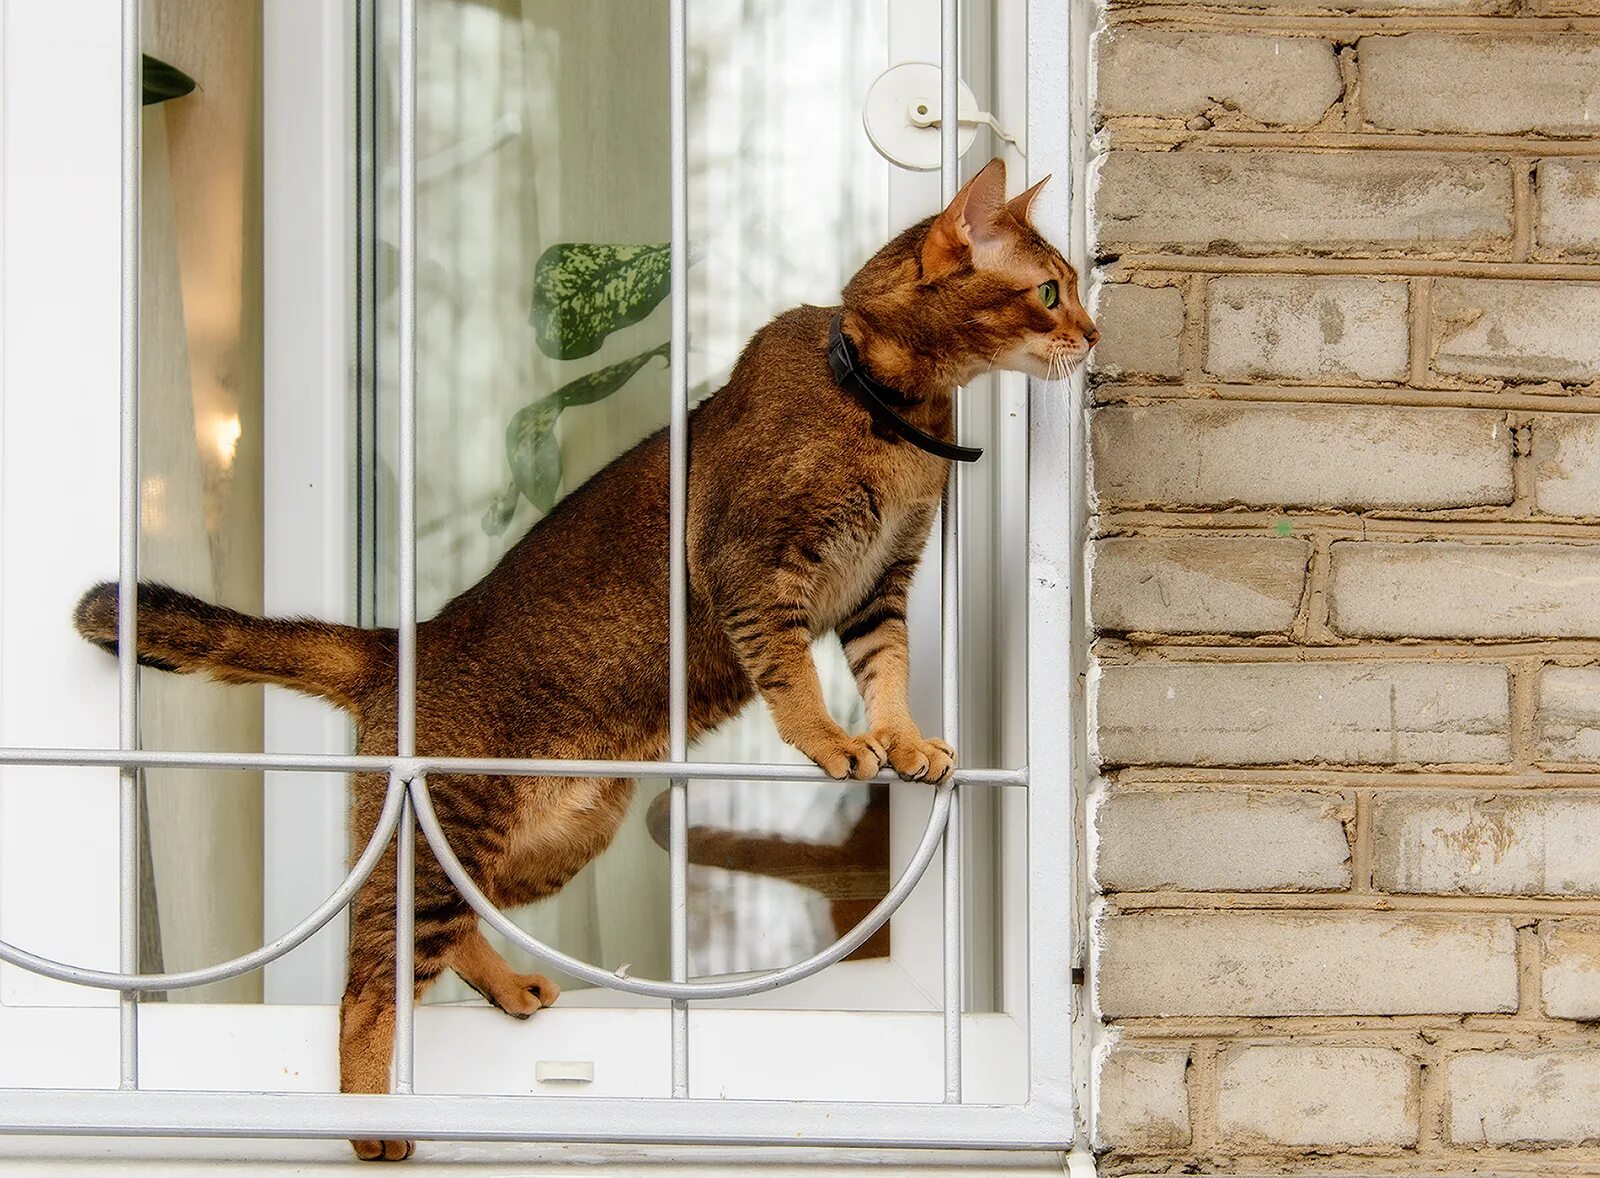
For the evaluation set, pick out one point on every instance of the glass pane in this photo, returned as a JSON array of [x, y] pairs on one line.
[[543, 136], [541, 125], [201, 469], [787, 198]]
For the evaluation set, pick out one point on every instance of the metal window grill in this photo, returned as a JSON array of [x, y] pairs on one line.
[[1044, 1120]]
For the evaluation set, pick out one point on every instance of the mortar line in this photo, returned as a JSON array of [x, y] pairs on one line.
[[1375, 786], [1554, 403], [1313, 904], [1522, 209], [1326, 1161], [1192, 344], [1431, 1098], [1342, 24], [1524, 707], [1530, 966], [1575, 271], [1420, 309], [1361, 846], [1455, 1032], [1204, 1131], [1523, 486], [1343, 525], [1350, 79], [1182, 779], [1579, 651], [1319, 574], [1117, 135]]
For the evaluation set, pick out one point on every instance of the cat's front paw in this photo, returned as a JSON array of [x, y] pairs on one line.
[[916, 759], [845, 756]]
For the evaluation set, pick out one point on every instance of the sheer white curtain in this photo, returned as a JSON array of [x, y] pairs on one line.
[[200, 457], [545, 121]]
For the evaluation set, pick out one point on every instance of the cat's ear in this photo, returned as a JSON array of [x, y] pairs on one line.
[[973, 219], [1020, 204]]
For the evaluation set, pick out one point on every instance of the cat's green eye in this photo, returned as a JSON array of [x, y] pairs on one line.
[[1047, 293]]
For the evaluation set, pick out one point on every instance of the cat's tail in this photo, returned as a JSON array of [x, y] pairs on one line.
[[177, 632]]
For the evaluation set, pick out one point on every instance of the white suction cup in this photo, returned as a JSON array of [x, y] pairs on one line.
[[901, 115]]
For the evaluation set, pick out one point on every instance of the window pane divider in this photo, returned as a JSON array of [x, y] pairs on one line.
[[132, 111], [677, 536], [950, 587]]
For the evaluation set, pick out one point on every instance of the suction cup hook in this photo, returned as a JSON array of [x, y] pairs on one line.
[[902, 117]]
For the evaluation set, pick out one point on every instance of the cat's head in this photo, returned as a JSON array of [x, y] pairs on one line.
[[983, 283]]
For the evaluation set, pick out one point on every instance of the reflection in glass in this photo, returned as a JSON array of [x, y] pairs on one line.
[[542, 131]]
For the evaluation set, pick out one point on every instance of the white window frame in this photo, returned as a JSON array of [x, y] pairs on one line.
[[62, 255]]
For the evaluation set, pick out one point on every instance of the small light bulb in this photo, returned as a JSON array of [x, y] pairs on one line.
[[226, 438]]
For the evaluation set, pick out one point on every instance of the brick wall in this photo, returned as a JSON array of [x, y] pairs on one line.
[[1345, 587]]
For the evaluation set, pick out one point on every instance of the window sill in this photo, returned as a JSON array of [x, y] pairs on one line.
[[61, 1157]]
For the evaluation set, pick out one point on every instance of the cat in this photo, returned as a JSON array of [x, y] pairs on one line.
[[805, 515]]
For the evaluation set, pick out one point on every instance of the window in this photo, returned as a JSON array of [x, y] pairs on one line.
[[782, 199]]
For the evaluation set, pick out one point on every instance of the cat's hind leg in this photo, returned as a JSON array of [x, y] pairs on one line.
[[481, 967], [367, 1012]]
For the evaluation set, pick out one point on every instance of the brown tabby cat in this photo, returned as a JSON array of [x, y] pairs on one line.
[[804, 517]]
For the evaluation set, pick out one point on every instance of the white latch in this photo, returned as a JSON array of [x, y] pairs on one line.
[[902, 116], [564, 1071]]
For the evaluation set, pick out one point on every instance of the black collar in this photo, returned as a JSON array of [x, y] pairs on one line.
[[852, 374]]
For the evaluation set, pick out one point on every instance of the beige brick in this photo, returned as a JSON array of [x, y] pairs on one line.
[[1260, 964], [1258, 202], [1566, 465], [1567, 726], [1278, 80], [1570, 979], [1143, 1099], [1210, 454], [1497, 84], [1140, 329], [1516, 330], [1293, 1095], [1569, 205], [1197, 585], [1307, 328], [1444, 589], [1269, 713], [1513, 844], [1537, 1097], [1222, 840]]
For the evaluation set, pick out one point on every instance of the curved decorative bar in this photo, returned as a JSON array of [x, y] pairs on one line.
[[388, 820], [759, 984]]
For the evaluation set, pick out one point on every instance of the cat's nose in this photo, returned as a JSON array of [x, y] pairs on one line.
[[1091, 333]]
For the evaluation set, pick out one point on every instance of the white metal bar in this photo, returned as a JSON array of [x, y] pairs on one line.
[[628, 1120], [405, 943], [406, 624], [435, 766], [677, 533], [132, 101], [1053, 538], [950, 585]]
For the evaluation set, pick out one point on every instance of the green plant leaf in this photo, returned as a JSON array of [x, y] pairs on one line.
[[583, 291], [162, 81], [602, 382], [497, 518], [534, 454]]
